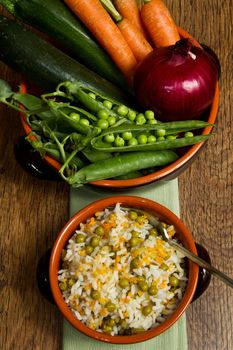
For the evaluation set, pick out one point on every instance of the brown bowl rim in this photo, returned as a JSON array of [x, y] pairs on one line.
[[157, 175], [68, 230]]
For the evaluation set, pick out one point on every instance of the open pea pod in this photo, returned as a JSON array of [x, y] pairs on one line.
[[98, 142], [90, 98]]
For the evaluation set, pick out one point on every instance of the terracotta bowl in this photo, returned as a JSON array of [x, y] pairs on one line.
[[168, 172], [183, 235]]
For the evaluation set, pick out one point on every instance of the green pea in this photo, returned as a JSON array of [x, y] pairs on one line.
[[153, 232], [143, 286], [151, 139], [146, 310], [134, 234], [149, 115], [84, 122], [92, 95], [140, 119], [131, 115], [140, 219], [133, 142], [71, 282], [111, 322], [152, 290], [161, 138], [122, 110], [111, 120], [164, 267], [171, 137], [89, 249], [102, 124], [107, 104], [99, 230], [142, 139], [102, 114], [160, 132], [106, 328], [109, 138], [75, 116], [110, 307], [119, 141], [140, 278], [94, 242], [95, 294], [152, 122], [127, 135], [133, 242], [133, 215], [124, 283], [174, 281], [80, 238], [166, 312], [63, 285], [188, 134], [135, 263]]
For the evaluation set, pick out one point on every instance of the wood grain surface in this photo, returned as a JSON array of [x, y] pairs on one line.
[[32, 211]]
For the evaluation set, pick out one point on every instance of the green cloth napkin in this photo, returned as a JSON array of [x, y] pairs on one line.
[[174, 338]]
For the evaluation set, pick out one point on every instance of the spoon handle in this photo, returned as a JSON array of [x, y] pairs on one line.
[[224, 278]]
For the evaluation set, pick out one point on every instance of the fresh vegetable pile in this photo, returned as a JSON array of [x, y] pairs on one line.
[[96, 138], [112, 51]]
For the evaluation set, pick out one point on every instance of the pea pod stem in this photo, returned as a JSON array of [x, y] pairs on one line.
[[120, 165], [52, 150]]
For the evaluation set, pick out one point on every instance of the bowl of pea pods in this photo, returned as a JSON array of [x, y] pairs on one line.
[[92, 139]]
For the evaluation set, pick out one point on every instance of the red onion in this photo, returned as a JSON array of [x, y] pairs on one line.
[[178, 82]]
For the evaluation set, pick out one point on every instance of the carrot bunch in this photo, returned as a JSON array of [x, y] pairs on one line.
[[124, 30]]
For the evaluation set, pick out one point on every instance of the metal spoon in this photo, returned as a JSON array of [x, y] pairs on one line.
[[199, 261], [224, 278]]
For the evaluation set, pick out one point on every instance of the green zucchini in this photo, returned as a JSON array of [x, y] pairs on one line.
[[53, 18], [46, 66]]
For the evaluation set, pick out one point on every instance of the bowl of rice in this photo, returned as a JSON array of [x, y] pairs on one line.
[[112, 275]]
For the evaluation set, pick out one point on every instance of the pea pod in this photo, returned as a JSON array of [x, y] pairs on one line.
[[131, 175], [170, 127], [120, 165], [157, 146], [94, 156], [76, 91], [92, 104], [65, 112]]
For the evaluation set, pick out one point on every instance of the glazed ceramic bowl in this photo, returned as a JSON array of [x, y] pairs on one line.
[[183, 235], [171, 171]]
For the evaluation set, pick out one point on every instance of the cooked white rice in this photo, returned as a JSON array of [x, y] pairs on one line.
[[103, 269]]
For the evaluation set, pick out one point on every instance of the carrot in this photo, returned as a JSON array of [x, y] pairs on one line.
[[100, 24], [159, 23], [135, 39], [132, 34], [129, 10]]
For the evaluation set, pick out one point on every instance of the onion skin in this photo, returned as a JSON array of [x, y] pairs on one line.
[[178, 82]]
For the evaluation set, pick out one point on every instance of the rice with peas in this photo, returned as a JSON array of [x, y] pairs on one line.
[[118, 275]]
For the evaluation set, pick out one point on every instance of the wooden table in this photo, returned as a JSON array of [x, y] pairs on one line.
[[32, 211]]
